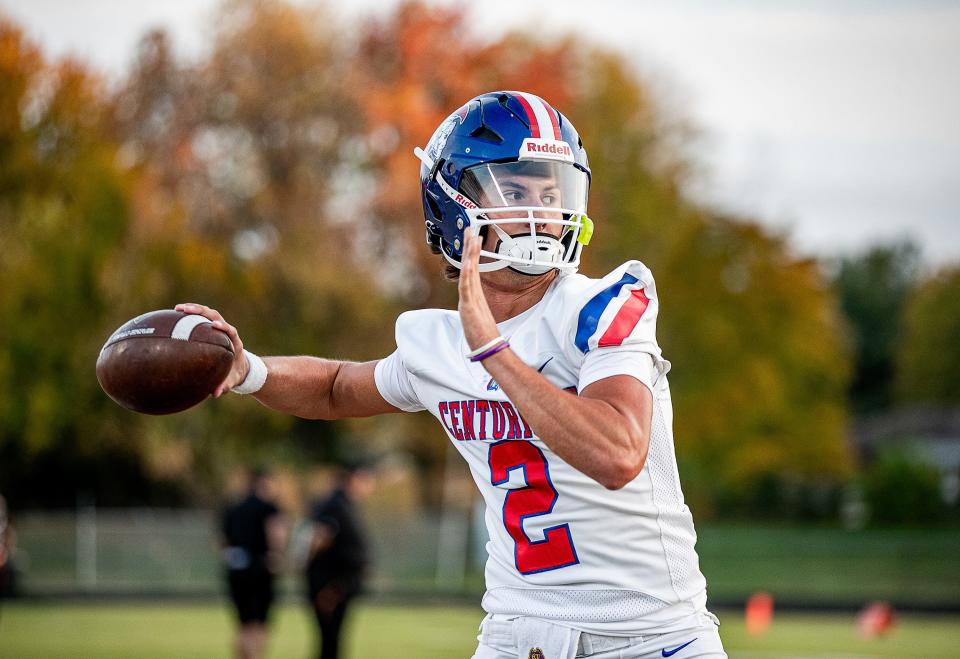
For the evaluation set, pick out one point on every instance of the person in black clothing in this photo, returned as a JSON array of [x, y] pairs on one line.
[[339, 555], [254, 534], [8, 542]]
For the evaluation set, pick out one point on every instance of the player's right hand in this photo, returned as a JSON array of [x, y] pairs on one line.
[[479, 327], [240, 364]]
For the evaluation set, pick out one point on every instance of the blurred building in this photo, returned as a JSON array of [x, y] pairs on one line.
[[929, 435]]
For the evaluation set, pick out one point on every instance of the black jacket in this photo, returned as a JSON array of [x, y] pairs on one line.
[[347, 559]]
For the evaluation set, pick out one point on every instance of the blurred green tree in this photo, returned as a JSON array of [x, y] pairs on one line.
[[900, 490], [928, 358], [760, 370], [874, 288], [64, 208]]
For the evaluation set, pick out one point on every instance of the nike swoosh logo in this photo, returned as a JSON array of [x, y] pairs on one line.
[[669, 653], [493, 386]]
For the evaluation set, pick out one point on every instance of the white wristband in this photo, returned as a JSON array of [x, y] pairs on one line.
[[485, 347], [256, 375]]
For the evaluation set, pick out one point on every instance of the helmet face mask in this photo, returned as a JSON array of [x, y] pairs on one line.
[[507, 161]]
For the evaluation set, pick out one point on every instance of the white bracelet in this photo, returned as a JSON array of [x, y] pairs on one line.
[[486, 346], [256, 375]]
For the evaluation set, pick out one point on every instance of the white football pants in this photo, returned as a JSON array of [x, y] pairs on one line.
[[497, 641]]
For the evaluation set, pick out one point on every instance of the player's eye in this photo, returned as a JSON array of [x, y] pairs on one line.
[[513, 195], [549, 199]]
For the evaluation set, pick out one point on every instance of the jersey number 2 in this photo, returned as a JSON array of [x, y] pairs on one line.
[[537, 498]]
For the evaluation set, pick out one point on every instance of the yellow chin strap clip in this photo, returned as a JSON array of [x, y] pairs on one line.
[[586, 230]]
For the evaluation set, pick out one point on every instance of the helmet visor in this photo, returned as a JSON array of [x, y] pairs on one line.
[[527, 183]]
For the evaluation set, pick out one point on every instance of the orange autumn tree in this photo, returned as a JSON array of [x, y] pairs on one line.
[[411, 71], [753, 330]]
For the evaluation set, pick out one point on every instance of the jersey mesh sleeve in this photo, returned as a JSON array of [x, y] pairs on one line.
[[393, 382], [614, 330]]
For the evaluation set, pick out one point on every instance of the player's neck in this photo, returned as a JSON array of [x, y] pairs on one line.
[[510, 293]]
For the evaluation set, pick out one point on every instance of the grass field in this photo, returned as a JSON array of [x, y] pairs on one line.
[[407, 632]]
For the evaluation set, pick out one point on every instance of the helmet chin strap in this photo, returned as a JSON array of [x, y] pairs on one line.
[[490, 266], [541, 247], [525, 246]]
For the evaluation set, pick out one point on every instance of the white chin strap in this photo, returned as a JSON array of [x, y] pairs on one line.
[[489, 266], [517, 252], [544, 250]]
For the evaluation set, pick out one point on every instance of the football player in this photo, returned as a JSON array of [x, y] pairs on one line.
[[550, 384]]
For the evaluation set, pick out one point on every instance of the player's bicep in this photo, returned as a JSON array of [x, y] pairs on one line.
[[355, 393]]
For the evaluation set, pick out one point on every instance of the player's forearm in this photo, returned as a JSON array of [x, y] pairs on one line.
[[590, 435], [315, 388], [301, 386]]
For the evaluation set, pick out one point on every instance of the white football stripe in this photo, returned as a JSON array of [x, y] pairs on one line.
[[542, 115], [185, 326]]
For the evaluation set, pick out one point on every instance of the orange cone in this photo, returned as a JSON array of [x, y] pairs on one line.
[[759, 613], [876, 619]]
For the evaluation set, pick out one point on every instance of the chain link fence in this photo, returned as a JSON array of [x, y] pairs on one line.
[[162, 552], [175, 553]]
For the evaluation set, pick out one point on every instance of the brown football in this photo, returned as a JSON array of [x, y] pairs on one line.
[[163, 362]]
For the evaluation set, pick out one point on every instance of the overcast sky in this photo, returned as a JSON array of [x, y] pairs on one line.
[[837, 121]]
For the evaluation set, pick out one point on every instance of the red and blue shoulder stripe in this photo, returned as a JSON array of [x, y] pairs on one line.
[[612, 314]]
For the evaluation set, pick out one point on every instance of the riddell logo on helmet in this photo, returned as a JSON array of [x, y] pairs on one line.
[[534, 148], [463, 201], [453, 194]]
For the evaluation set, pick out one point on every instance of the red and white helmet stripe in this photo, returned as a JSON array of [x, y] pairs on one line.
[[543, 119]]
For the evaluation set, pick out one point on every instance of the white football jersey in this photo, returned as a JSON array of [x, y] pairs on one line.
[[562, 546]]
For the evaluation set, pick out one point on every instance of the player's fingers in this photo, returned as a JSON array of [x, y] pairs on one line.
[[465, 254], [231, 332], [202, 310], [466, 266], [470, 259], [474, 246], [191, 307], [240, 365]]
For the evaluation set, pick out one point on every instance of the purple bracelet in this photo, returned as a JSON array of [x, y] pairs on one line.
[[492, 351]]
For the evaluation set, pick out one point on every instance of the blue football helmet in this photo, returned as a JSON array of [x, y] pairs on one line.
[[509, 161]]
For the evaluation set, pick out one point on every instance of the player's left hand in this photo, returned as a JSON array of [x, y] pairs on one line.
[[479, 326]]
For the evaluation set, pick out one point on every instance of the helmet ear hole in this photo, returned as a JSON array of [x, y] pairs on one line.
[[486, 133], [434, 206]]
